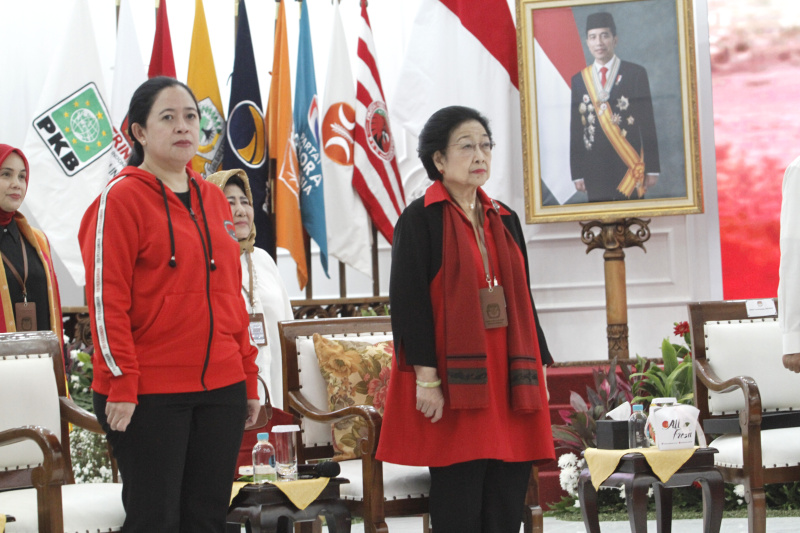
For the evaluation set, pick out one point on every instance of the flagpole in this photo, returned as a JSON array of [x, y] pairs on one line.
[[235, 20]]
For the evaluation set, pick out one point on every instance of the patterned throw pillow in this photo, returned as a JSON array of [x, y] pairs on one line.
[[357, 373]]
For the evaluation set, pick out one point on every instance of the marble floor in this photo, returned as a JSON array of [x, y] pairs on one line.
[[551, 525]]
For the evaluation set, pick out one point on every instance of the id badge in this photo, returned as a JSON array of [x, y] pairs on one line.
[[258, 329], [25, 314], [493, 306]]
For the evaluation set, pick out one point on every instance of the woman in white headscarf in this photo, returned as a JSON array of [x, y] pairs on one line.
[[265, 295]]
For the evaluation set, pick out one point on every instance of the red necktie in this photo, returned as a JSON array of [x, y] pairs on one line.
[[603, 71]]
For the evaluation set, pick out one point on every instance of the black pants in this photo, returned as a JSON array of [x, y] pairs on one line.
[[177, 457], [483, 496]]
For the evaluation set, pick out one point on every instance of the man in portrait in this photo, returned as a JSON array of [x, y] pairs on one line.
[[613, 144]]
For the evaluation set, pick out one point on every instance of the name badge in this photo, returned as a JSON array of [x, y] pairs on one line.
[[258, 329], [25, 314], [493, 305]]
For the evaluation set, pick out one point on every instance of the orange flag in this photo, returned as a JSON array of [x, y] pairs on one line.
[[280, 132]]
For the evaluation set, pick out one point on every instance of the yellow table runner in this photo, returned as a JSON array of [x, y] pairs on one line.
[[603, 463], [301, 492]]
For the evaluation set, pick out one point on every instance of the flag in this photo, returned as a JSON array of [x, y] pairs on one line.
[[162, 62], [558, 52], [68, 143], [245, 143], [129, 73], [202, 79], [306, 124], [288, 226], [376, 177], [448, 39], [349, 237]]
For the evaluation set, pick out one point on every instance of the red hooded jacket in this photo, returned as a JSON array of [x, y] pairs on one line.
[[163, 286]]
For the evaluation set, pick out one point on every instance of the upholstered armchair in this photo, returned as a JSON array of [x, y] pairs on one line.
[[747, 398], [37, 486], [377, 490]]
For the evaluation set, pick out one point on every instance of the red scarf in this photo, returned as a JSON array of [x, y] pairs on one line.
[[465, 337]]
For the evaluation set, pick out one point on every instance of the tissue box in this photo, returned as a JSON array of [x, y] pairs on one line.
[[674, 427], [612, 434]]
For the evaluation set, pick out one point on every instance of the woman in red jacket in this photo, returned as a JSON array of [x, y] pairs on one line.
[[468, 392], [174, 369]]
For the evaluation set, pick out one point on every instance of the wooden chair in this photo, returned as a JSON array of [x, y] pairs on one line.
[[37, 486], [746, 396], [377, 490]]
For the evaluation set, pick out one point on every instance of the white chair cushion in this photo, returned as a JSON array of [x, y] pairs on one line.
[[778, 448], [400, 482], [28, 397], [87, 507], [750, 348], [314, 387]]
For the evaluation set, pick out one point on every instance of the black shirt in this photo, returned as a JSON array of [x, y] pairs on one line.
[[37, 278]]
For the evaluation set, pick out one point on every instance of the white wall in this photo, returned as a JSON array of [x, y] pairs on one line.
[[682, 262]]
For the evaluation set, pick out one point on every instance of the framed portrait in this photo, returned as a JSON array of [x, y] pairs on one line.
[[609, 109]]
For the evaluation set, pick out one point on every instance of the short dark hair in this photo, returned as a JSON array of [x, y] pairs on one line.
[[601, 20], [437, 130], [142, 103]]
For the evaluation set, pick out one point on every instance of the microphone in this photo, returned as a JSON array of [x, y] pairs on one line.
[[324, 469]]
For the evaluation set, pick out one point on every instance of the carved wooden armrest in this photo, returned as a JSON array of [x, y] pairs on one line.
[[749, 417], [51, 472], [77, 415], [370, 415]]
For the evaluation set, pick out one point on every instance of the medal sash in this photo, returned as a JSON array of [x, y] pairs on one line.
[[634, 177]]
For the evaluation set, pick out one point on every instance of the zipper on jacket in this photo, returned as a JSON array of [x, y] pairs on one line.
[[208, 300]]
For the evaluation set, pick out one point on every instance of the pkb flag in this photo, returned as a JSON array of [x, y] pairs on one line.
[[76, 130]]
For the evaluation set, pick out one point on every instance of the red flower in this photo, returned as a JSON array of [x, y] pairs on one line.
[[681, 328], [378, 388]]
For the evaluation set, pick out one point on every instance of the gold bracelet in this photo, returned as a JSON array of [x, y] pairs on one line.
[[429, 384]]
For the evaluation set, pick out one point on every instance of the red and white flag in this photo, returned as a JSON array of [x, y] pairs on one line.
[[376, 177], [129, 73], [558, 53], [162, 62], [349, 238], [449, 40]]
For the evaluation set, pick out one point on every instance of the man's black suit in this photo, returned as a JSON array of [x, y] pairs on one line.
[[592, 157]]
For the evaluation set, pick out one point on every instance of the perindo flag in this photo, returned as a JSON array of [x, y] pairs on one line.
[[129, 73], [288, 225], [349, 237], [376, 177], [202, 79], [162, 62], [431, 77], [306, 124], [69, 140], [245, 142]]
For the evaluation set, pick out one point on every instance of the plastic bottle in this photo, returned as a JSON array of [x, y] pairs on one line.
[[263, 460], [637, 438]]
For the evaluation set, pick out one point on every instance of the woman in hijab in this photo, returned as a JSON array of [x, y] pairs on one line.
[[28, 285], [265, 296]]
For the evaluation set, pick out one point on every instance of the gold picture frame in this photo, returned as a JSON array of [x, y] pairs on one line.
[[578, 132]]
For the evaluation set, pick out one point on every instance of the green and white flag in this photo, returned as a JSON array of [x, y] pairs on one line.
[[69, 140]]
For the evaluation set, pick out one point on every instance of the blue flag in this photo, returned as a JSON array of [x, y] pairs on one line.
[[246, 139], [306, 125]]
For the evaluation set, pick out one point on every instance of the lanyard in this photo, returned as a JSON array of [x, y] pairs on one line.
[[250, 293], [13, 270]]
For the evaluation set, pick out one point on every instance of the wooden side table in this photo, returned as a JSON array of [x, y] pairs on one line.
[[637, 477], [268, 510]]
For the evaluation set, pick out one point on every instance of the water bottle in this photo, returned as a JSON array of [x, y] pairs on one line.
[[263, 460], [637, 436]]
